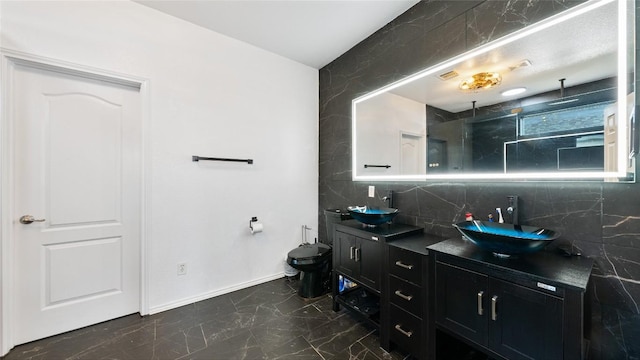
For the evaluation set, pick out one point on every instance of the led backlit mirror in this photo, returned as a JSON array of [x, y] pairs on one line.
[[572, 118]]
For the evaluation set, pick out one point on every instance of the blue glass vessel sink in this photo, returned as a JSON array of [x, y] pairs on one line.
[[506, 239], [372, 215]]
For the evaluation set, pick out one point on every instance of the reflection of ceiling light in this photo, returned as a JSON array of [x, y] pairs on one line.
[[483, 80], [514, 91]]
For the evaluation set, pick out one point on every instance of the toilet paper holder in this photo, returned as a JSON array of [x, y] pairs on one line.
[[254, 226], [253, 219]]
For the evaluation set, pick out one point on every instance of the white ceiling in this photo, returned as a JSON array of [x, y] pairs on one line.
[[312, 32]]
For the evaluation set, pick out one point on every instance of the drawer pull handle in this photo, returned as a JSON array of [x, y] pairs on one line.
[[403, 265], [494, 305], [480, 309], [406, 297], [403, 332]]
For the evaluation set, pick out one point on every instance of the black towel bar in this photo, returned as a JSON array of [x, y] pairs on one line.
[[198, 158]]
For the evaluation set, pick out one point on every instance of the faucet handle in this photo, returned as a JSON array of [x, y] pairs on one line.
[[512, 209]]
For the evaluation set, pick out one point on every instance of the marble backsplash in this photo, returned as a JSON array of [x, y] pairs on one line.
[[601, 220]]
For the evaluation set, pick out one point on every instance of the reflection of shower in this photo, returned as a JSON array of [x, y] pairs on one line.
[[562, 100]]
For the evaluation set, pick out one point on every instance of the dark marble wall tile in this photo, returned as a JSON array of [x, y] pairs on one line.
[[616, 338], [602, 221], [621, 215], [494, 19], [615, 290]]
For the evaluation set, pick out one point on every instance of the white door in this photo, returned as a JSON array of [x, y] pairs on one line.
[[412, 154], [611, 140], [77, 171]]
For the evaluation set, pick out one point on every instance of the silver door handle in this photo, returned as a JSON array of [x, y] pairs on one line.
[[480, 309], [403, 332], [494, 303], [28, 219], [406, 297], [351, 253], [403, 265], [357, 254]]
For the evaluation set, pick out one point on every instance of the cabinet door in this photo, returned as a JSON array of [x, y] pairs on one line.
[[345, 246], [461, 302], [524, 323], [369, 256]]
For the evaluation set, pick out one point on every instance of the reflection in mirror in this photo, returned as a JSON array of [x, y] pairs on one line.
[[456, 120]]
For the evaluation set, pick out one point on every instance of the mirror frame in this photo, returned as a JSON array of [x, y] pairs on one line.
[[624, 130]]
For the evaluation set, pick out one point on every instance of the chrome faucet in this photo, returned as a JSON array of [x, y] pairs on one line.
[[389, 198], [512, 209]]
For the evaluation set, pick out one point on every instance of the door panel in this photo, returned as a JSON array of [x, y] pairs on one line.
[[101, 266], [528, 323], [77, 167], [346, 245], [461, 302], [369, 256], [89, 171]]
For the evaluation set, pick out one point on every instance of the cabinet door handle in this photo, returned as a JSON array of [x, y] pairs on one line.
[[480, 309], [357, 254], [403, 265], [403, 332], [406, 297], [351, 252], [494, 305]]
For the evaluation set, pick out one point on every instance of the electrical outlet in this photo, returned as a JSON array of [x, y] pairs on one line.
[[182, 269], [372, 191]]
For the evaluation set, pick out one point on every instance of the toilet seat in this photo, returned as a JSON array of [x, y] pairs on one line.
[[308, 254]]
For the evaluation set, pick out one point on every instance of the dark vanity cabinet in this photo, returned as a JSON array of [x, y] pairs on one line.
[[424, 293], [405, 299], [519, 308], [358, 257], [512, 320]]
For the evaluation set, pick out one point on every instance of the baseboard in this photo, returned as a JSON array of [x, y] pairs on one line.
[[208, 295]]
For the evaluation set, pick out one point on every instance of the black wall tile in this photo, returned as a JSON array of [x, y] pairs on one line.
[[601, 220]]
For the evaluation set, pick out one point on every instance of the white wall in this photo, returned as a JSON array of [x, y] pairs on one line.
[[210, 95]]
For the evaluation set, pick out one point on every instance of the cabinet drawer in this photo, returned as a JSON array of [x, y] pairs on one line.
[[405, 265], [406, 330], [406, 295]]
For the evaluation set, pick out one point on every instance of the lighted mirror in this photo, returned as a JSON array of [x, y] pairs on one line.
[[554, 100]]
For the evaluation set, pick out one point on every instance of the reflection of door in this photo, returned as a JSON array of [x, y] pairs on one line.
[[412, 154], [77, 161], [610, 139]]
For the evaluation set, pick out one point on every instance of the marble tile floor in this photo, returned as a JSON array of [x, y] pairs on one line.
[[267, 321]]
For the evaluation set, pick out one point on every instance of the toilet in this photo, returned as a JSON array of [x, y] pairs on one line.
[[314, 263]]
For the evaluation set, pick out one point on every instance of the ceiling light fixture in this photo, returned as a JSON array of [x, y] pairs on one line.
[[514, 91], [483, 80]]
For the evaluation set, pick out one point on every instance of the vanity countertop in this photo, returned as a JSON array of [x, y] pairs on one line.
[[389, 231], [417, 243], [547, 266]]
